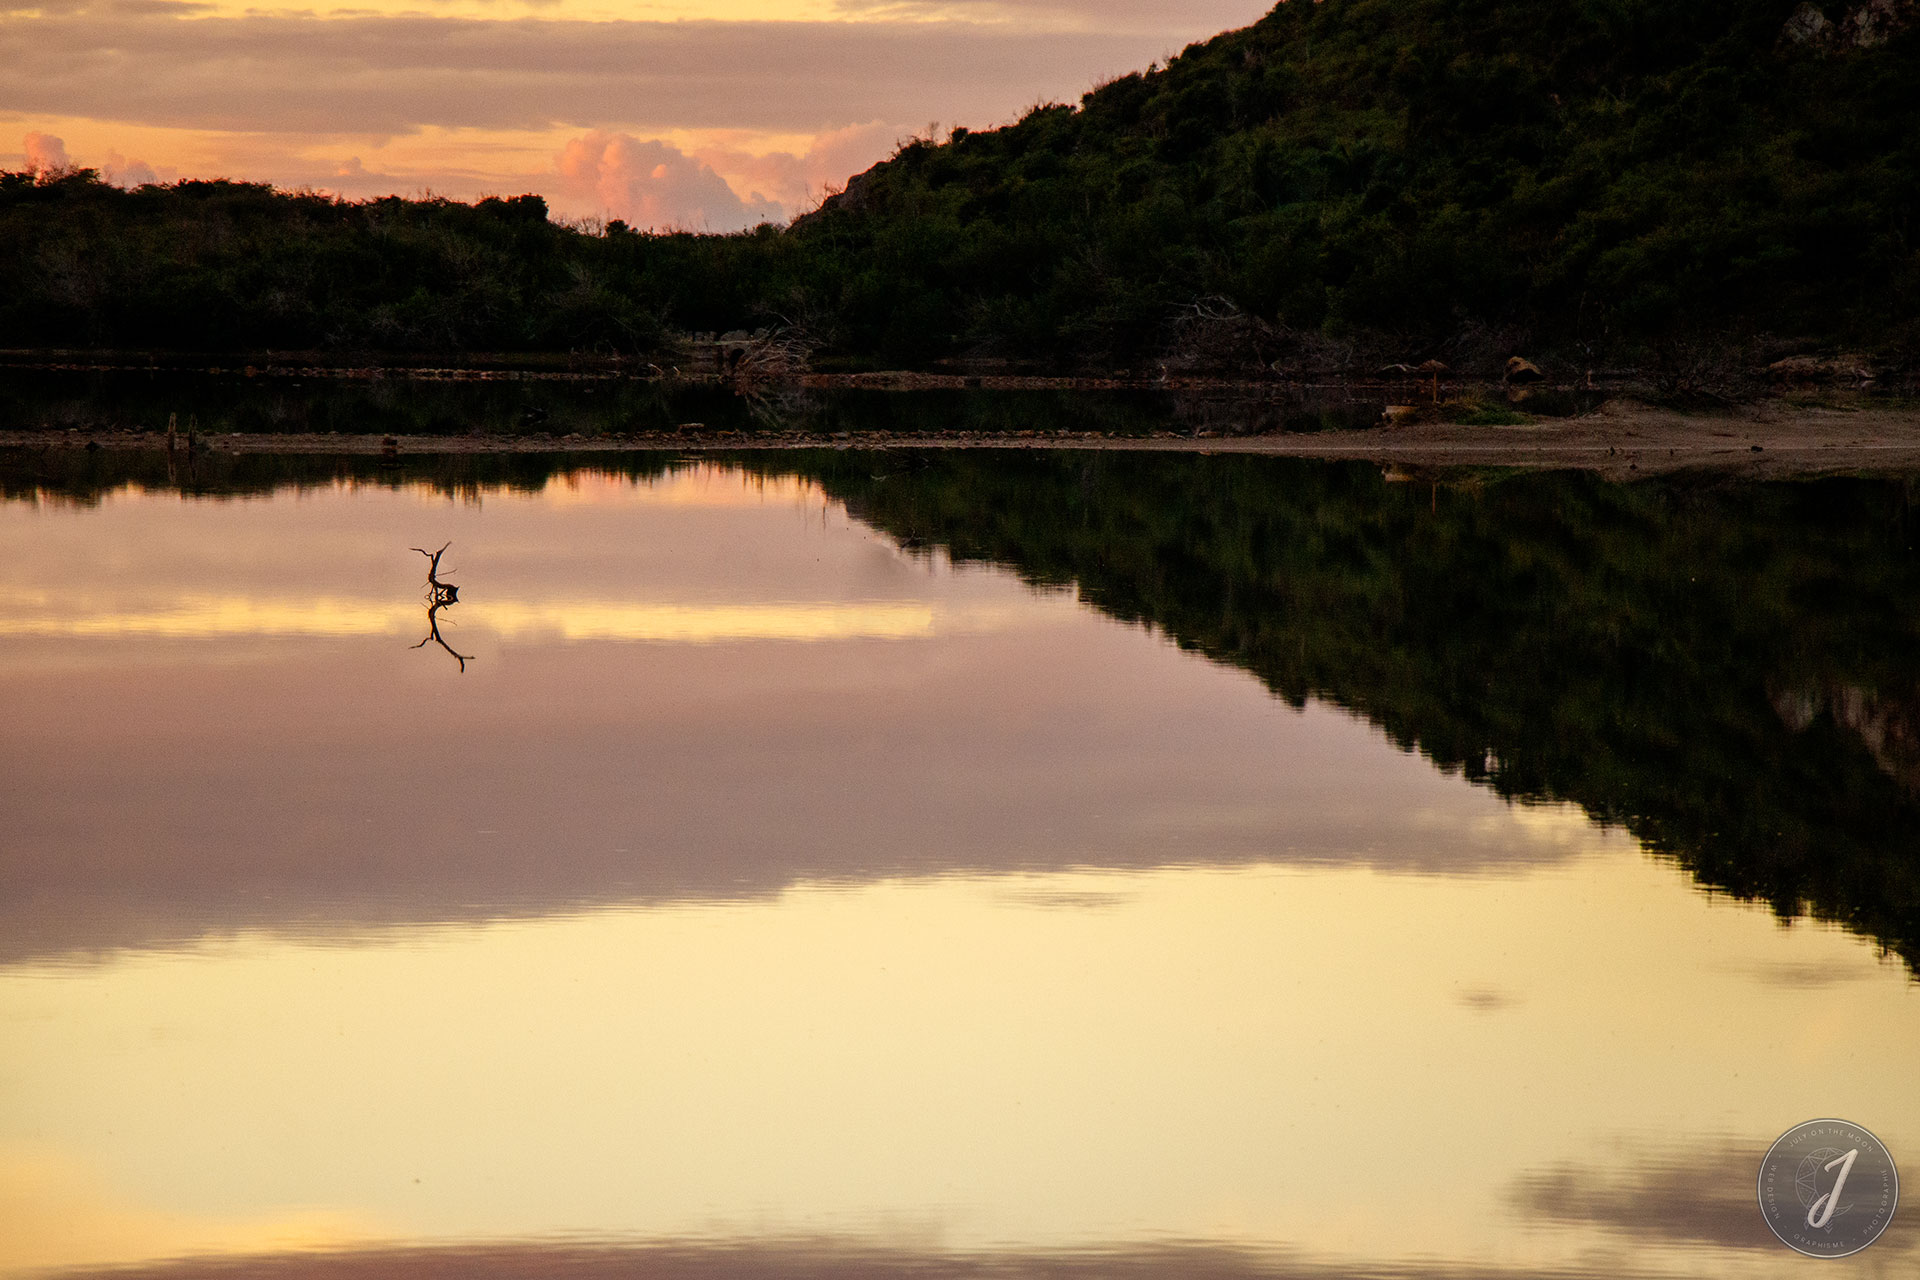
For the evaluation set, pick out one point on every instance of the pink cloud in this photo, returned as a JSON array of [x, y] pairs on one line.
[[125, 172], [46, 153], [350, 179], [799, 181], [651, 184]]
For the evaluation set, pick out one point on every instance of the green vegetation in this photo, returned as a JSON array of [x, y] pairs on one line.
[[240, 267], [1599, 175], [1605, 179]]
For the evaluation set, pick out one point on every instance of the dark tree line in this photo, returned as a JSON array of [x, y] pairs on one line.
[[1601, 178]]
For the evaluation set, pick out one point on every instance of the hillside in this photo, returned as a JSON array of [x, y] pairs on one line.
[[1463, 173], [1338, 184]]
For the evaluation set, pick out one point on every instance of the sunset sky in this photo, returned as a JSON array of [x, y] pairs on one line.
[[708, 114]]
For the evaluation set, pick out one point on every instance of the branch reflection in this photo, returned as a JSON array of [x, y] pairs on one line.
[[439, 596]]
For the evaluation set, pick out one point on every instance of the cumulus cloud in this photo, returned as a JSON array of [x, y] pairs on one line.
[[799, 181], [648, 183], [123, 171], [351, 178], [46, 153]]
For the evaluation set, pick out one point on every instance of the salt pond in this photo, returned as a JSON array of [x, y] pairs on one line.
[[856, 861]]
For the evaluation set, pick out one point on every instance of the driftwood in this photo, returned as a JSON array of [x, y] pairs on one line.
[[439, 596]]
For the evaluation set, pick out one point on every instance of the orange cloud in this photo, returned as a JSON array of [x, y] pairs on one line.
[[649, 183], [745, 109], [798, 181], [45, 153], [1070, 15], [372, 76], [133, 172]]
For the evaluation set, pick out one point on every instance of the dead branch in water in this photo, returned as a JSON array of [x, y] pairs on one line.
[[440, 595]]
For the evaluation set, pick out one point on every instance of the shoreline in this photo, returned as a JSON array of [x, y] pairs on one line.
[[1621, 440], [694, 367]]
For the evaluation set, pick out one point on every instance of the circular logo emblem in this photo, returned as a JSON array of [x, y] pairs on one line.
[[1828, 1188]]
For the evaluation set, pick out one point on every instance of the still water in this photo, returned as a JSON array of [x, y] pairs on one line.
[[979, 865]]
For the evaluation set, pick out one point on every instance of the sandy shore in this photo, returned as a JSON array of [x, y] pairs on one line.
[[1621, 439]]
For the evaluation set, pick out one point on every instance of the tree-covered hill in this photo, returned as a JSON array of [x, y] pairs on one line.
[[1341, 181], [1573, 172]]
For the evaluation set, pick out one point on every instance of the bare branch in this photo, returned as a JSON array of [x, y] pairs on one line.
[[439, 596]]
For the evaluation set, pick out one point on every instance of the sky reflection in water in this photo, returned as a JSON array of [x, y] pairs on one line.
[[765, 900]]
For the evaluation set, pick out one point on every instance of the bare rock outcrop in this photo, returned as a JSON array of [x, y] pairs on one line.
[[855, 197], [1875, 22], [1862, 27], [1807, 26]]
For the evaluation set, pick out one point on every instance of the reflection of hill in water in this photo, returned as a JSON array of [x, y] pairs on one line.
[[1730, 671]]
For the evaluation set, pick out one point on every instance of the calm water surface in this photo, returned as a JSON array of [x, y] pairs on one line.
[[848, 864]]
